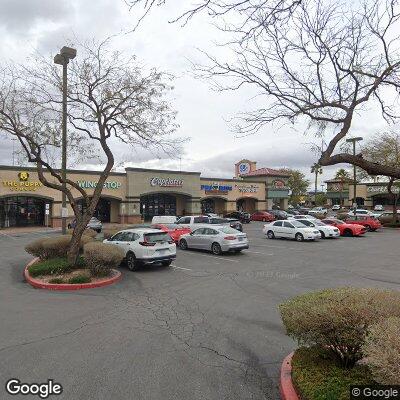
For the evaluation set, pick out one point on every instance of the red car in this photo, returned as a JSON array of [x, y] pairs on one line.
[[345, 228], [262, 216], [370, 223], [174, 230]]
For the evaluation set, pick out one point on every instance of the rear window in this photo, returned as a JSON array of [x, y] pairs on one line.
[[228, 229], [156, 237], [200, 220]]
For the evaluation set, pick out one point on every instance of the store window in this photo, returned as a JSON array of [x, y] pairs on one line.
[[22, 211], [157, 204], [208, 206]]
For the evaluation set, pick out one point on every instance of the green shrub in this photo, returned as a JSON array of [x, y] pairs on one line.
[[90, 232], [100, 258], [56, 280], [382, 351], [49, 267], [338, 320], [79, 279], [317, 378]]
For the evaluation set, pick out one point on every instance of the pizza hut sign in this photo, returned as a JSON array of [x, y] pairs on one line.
[[166, 182]]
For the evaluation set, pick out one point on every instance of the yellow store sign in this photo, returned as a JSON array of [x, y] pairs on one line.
[[23, 184]]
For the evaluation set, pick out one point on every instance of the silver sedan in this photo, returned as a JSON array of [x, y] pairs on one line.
[[217, 239]]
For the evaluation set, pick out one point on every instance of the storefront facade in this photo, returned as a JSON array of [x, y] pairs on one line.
[[373, 193], [135, 195], [337, 192]]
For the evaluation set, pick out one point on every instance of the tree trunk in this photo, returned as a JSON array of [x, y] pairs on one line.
[[395, 198], [315, 188], [74, 245]]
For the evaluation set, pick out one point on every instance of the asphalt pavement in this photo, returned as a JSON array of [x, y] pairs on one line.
[[206, 328]]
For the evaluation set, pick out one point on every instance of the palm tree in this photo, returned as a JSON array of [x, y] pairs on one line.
[[343, 176], [317, 170]]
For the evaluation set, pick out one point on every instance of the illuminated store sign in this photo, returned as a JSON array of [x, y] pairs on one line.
[[382, 189], [278, 184], [23, 184], [216, 188], [92, 184], [166, 182]]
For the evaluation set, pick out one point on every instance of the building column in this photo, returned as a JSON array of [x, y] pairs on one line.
[[130, 211], [193, 206]]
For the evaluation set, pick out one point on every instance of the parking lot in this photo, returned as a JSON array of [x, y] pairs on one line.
[[206, 328]]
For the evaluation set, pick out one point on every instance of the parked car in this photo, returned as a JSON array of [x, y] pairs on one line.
[[292, 211], [303, 210], [303, 216], [318, 211], [327, 231], [217, 239], [361, 212], [279, 214], [387, 217], [189, 220], [164, 219], [174, 230], [379, 207], [212, 215], [336, 207], [290, 229], [94, 224], [262, 216], [370, 223], [243, 217], [232, 222], [345, 229], [144, 246]]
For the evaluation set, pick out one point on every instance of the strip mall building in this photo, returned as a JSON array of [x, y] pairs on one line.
[[138, 194]]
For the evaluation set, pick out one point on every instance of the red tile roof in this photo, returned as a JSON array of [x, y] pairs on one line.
[[266, 172]]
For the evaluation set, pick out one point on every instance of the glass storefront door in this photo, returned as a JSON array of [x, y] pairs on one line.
[[22, 211], [157, 204]]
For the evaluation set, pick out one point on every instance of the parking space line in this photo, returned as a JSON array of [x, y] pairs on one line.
[[175, 266], [219, 258], [259, 252]]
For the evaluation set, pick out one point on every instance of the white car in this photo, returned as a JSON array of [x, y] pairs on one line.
[[327, 231], [336, 207], [189, 220], [144, 246], [303, 216], [318, 210], [379, 207], [290, 229], [359, 212], [164, 219]]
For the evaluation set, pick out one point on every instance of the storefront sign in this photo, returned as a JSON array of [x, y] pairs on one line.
[[244, 168], [166, 182], [278, 184], [247, 188], [382, 189], [216, 188], [92, 184], [23, 184]]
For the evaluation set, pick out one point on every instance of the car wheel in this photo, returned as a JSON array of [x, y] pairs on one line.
[[270, 235], [166, 263], [131, 262], [369, 229], [347, 232], [183, 244], [322, 234], [299, 237], [216, 249]]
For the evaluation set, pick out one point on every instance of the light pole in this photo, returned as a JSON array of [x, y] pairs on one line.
[[66, 54], [354, 140]]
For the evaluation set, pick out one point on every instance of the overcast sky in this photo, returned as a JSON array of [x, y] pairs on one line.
[[46, 25]]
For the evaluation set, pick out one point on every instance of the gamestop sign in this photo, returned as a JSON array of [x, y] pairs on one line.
[[166, 182]]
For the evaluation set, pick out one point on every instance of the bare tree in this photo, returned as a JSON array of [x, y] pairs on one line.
[[251, 15], [109, 98], [325, 66]]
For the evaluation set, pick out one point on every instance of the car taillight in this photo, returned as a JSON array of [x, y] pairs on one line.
[[230, 237], [147, 243]]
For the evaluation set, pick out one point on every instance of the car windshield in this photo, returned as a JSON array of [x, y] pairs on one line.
[[305, 222], [156, 237], [218, 221], [227, 229], [318, 223], [337, 221]]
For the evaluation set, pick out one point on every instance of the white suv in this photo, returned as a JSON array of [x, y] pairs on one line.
[[189, 220], [144, 246]]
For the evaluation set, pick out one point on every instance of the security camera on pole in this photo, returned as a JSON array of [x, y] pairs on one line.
[[66, 54]]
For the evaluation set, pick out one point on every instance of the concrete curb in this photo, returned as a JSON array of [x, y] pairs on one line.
[[68, 286], [287, 390]]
